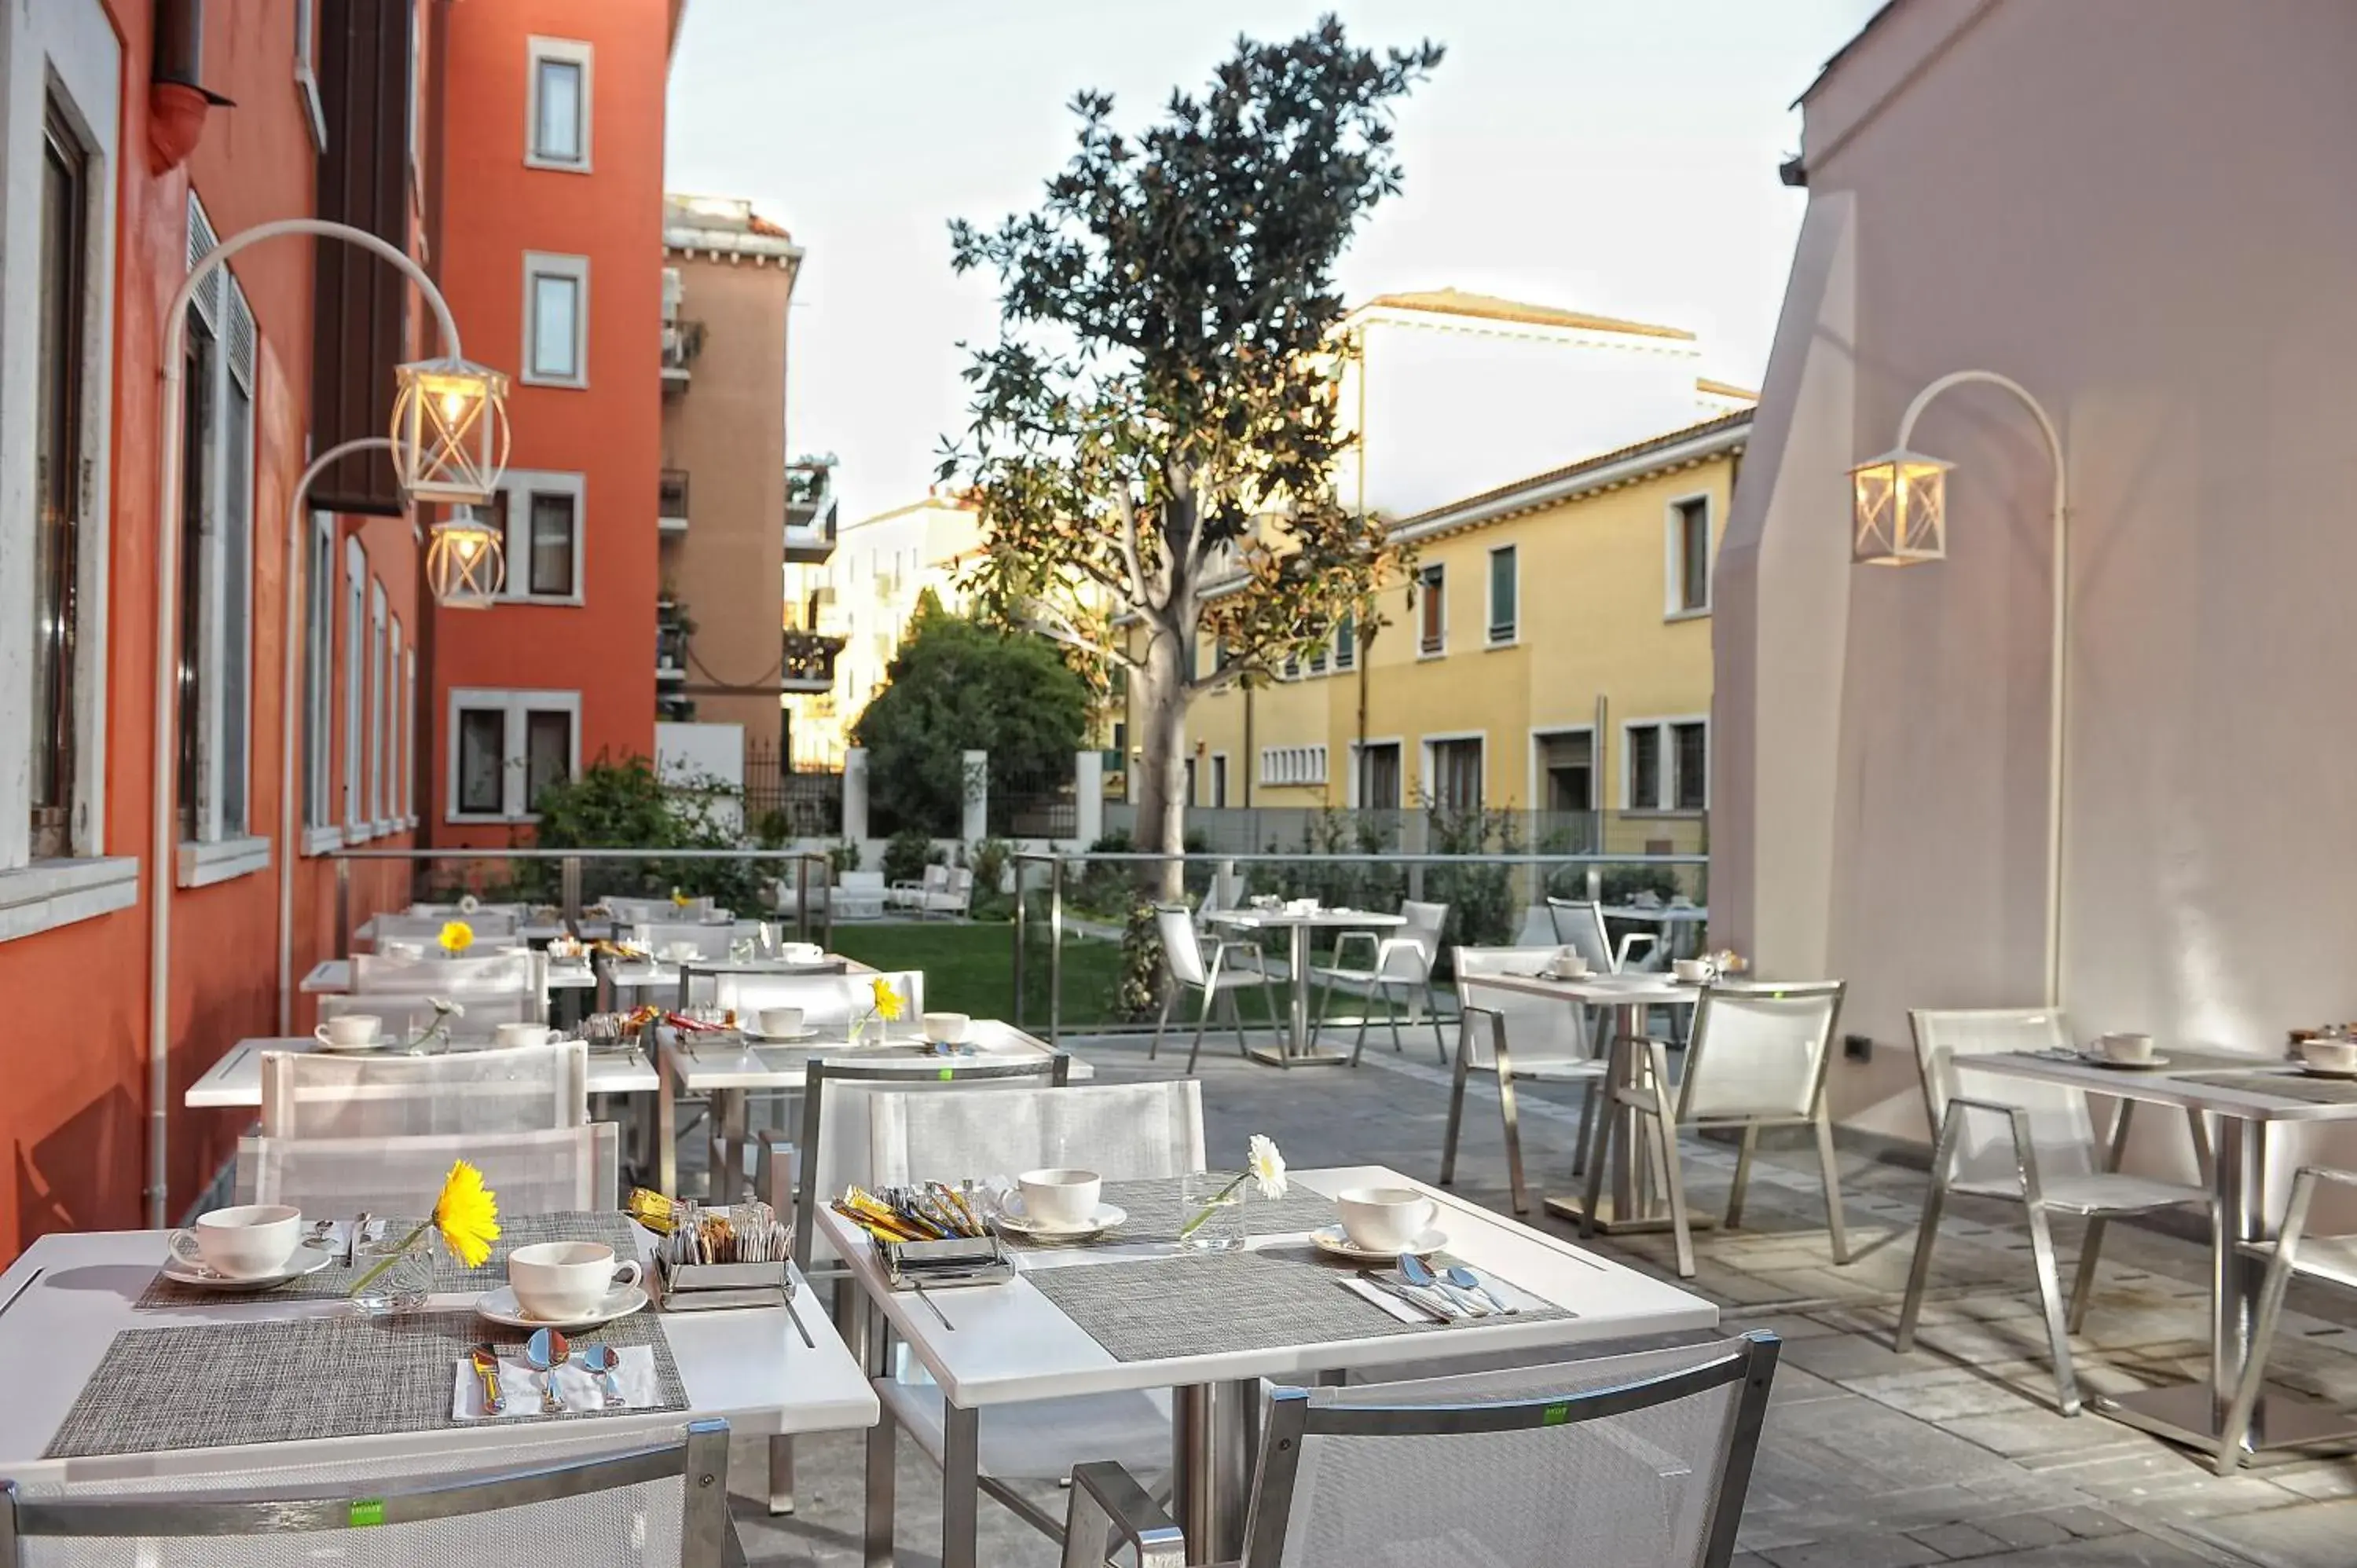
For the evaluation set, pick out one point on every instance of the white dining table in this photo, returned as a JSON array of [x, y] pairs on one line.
[[727, 1069], [236, 1079], [1297, 1050], [64, 1300], [1004, 1344], [333, 977]]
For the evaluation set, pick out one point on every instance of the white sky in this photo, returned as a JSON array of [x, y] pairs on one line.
[[1612, 156]]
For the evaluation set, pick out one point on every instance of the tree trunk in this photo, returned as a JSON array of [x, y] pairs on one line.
[[1159, 706]]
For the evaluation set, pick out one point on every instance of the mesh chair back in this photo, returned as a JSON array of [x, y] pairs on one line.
[[1422, 929], [1180, 951], [1540, 1030], [829, 1002], [834, 1151], [529, 1090], [407, 1017], [1758, 1051], [489, 926], [1579, 926], [554, 1171], [1537, 928], [1123, 1132], [658, 937], [1643, 1460], [507, 908], [435, 975], [1226, 891], [650, 911], [643, 1500], [2061, 1129]]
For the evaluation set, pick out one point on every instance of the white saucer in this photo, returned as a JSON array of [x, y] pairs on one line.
[[794, 1037], [1563, 979], [308, 1258], [2150, 1062], [2310, 1070], [1012, 1215], [320, 1042], [1335, 1240], [501, 1307]]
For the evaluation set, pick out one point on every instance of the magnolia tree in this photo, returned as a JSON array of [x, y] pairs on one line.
[[1155, 433]]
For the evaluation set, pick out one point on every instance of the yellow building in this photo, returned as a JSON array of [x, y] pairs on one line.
[[1553, 655]]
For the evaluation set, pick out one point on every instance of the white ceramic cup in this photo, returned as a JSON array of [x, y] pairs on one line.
[[250, 1242], [401, 949], [1694, 970], [2125, 1047], [1061, 1198], [2332, 1055], [349, 1032], [801, 952], [513, 1034], [946, 1028], [1385, 1218], [777, 1021], [1568, 963], [565, 1280], [681, 953]]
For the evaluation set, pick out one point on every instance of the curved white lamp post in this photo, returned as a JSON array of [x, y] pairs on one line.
[[473, 407], [1898, 517]]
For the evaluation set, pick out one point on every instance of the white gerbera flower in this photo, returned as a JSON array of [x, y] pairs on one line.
[[1265, 1165]]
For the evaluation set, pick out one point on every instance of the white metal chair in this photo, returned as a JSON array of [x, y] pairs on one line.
[[954, 897], [407, 1015], [913, 892], [490, 927], [1405, 960], [645, 1498], [1182, 959], [2033, 1143], [2293, 1253], [658, 937], [650, 911], [1579, 924], [1758, 1058], [553, 1172], [1638, 1461], [859, 895], [435, 975], [1516, 1035], [1124, 1133], [530, 1089]]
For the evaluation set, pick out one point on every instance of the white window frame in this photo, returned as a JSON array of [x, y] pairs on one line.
[[409, 741], [1424, 769], [1666, 791], [306, 70], [1674, 604], [518, 486], [1440, 591], [1293, 767], [1535, 774], [355, 660], [1354, 790], [515, 704], [396, 752], [538, 264], [1345, 661], [565, 51], [65, 49], [1490, 637], [379, 704], [321, 830], [1219, 781]]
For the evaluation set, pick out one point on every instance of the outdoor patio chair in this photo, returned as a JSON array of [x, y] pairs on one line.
[[711, 942], [1579, 924], [510, 909], [859, 895], [645, 912], [2293, 1253], [1515, 1034], [1757, 1059], [1182, 960], [2033, 1143], [954, 897], [1641, 1460], [407, 1015], [829, 1002], [1405, 960], [433, 974], [607, 1498], [492, 927], [530, 1089], [914, 893], [1129, 1132], [549, 1171]]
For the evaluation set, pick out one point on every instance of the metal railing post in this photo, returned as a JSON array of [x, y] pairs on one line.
[[568, 889], [343, 906], [802, 898], [1021, 925], [1055, 948], [1595, 884]]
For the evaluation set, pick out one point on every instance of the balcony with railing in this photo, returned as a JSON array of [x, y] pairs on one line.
[[810, 659], [671, 501], [810, 511], [682, 342]]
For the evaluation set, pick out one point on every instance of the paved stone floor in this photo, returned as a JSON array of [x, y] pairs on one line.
[[1870, 1459]]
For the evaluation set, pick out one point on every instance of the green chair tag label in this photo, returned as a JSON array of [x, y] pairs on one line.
[[367, 1512], [1557, 1414]]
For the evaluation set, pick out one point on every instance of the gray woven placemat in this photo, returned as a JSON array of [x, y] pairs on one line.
[[211, 1385], [1156, 1210], [2306, 1088], [612, 1228], [1152, 1309]]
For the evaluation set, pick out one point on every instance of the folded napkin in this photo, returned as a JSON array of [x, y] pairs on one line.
[[1388, 1303], [576, 1385]]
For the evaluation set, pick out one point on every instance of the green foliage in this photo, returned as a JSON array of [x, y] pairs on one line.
[[907, 853], [843, 855], [1621, 884], [1108, 889], [1137, 991], [1482, 911], [988, 859], [957, 686], [624, 805], [771, 829]]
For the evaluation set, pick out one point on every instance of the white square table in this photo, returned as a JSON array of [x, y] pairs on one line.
[[333, 976], [64, 1300], [2231, 1090], [1007, 1344], [236, 1079], [1297, 1050]]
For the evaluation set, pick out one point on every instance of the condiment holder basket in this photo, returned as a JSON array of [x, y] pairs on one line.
[[955, 1261]]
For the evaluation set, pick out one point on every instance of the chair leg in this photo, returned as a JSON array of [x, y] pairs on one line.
[[1324, 1011], [1366, 1004], [1918, 1273], [1590, 1102], [1675, 1181], [781, 1474], [1508, 1114], [1236, 1017], [1162, 1019], [2083, 1282], [2236, 1427], [1838, 1231], [1603, 1157], [1743, 1152], [1424, 990], [1202, 1018], [1391, 1012], [1456, 1105], [882, 1443], [2050, 1300]]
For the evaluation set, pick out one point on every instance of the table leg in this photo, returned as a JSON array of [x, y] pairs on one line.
[[1294, 1050], [960, 1486], [1632, 1202], [1211, 1428], [666, 1128]]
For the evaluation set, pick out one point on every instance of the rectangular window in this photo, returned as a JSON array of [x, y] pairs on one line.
[[1432, 610], [57, 483], [196, 463], [1219, 780], [1454, 768], [1191, 781], [1644, 792], [1690, 556], [409, 739], [355, 681], [379, 703], [318, 674], [1346, 642], [1317, 660], [1568, 771], [396, 754], [1668, 767], [556, 330], [1379, 776], [234, 646], [1689, 766], [1504, 592], [512, 746], [1293, 766], [559, 105]]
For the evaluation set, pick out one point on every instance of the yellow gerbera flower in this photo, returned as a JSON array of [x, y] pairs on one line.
[[467, 1214], [887, 1001], [456, 935], [679, 899]]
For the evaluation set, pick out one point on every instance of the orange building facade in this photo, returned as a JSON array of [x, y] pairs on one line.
[[115, 176]]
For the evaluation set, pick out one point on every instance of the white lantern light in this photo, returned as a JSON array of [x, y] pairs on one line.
[[449, 431], [1899, 509], [465, 563]]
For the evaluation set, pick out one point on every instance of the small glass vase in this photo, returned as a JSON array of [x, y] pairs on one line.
[[1214, 1205], [406, 1281], [866, 1029]]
